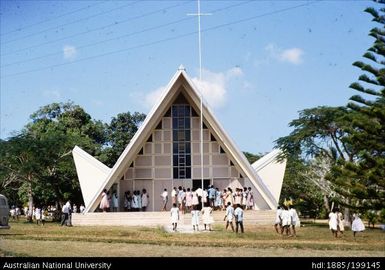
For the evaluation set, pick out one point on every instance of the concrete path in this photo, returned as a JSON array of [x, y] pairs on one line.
[[182, 228]]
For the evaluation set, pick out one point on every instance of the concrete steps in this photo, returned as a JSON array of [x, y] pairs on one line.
[[153, 219]]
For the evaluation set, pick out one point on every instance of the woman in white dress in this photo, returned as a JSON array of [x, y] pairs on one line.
[[278, 220], [104, 204], [145, 199], [357, 224], [340, 220], [207, 216], [195, 218], [174, 216], [333, 223], [286, 220]]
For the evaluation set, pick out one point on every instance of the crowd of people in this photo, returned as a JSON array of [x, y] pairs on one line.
[[190, 201], [286, 220], [187, 199], [135, 202], [40, 214], [337, 226], [184, 198], [206, 215]]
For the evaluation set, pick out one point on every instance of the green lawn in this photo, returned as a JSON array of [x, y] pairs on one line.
[[24, 239]]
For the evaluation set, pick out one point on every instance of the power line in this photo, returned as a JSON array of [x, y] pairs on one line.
[[100, 42], [96, 29], [73, 22], [51, 19], [164, 40], [124, 36]]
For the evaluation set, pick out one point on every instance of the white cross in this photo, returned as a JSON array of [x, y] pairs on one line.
[[199, 14]]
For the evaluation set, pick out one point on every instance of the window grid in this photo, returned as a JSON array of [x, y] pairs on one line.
[[181, 125]]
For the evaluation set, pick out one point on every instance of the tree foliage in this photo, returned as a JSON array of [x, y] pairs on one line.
[[37, 165], [300, 188], [252, 157], [366, 174], [352, 137], [119, 134]]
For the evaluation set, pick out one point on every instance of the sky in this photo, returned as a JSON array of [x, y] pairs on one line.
[[262, 61]]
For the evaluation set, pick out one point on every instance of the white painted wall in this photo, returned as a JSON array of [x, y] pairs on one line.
[[91, 173], [271, 172]]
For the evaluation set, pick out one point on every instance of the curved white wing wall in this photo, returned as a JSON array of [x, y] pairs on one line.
[[271, 172], [91, 173]]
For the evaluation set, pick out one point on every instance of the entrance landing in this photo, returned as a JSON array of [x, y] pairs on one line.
[[155, 219]]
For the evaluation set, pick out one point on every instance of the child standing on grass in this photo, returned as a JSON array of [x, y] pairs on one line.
[[195, 218], [357, 225], [278, 220], [294, 219], [174, 216], [207, 216], [333, 223], [238, 213], [229, 216], [286, 221]]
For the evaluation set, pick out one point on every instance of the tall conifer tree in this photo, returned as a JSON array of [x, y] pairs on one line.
[[363, 180]]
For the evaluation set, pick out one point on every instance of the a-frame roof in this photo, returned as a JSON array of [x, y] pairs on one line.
[[178, 82]]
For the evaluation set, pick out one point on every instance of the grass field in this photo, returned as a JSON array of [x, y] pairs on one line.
[[313, 240]]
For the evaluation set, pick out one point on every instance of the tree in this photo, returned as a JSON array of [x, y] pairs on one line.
[[366, 174], [20, 166], [58, 127], [319, 140], [319, 131], [301, 188], [252, 157], [119, 134]]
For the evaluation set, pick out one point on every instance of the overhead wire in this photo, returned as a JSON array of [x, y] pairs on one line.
[[122, 36], [48, 20], [165, 39], [96, 29], [73, 22]]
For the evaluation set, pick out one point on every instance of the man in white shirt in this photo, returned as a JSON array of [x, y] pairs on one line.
[[238, 213], [164, 196], [64, 211]]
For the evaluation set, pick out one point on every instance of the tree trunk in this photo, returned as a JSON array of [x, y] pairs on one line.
[[347, 220], [326, 203], [30, 203]]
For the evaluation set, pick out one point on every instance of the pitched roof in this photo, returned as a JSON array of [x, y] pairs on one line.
[[180, 80]]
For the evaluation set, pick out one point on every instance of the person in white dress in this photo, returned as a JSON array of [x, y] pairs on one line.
[[174, 216], [104, 203], [38, 215], [340, 220], [294, 219], [207, 216], [145, 199], [195, 218], [164, 196], [333, 223], [357, 225], [286, 220], [278, 220]]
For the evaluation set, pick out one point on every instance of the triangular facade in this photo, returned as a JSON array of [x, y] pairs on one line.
[[165, 153]]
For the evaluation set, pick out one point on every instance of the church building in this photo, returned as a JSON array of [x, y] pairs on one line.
[[166, 152]]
